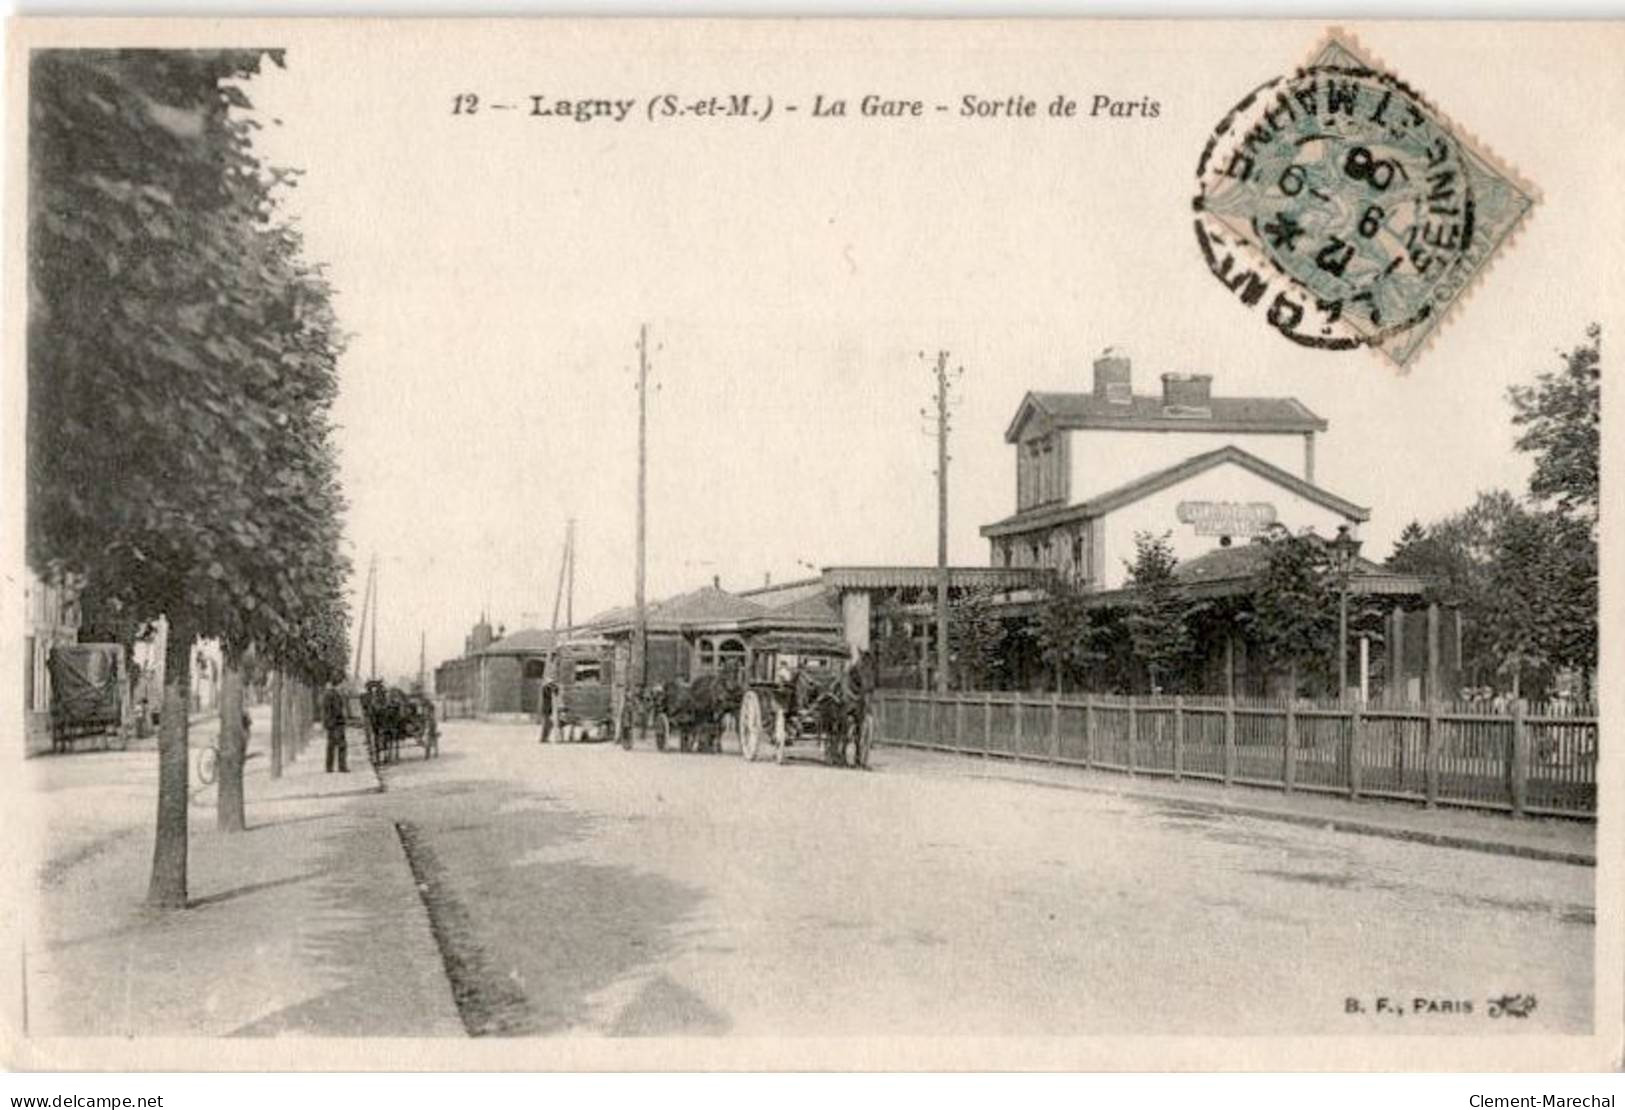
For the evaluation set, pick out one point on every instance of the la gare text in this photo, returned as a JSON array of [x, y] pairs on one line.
[[823, 106]]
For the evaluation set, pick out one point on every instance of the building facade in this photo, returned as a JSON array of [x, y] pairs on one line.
[[1094, 468]]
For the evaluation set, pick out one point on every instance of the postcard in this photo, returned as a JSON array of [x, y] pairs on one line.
[[878, 545]]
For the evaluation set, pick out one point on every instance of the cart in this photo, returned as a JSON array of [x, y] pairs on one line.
[[87, 695], [576, 699], [802, 690]]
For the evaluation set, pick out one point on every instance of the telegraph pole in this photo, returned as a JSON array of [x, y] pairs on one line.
[[373, 665], [423, 661], [640, 623], [570, 561], [942, 521], [366, 604]]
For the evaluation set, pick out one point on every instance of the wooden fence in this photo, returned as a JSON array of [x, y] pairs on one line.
[[1525, 759]]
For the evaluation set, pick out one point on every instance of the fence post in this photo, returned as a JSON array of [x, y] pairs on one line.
[[1289, 755], [1088, 732], [1017, 734], [1520, 759], [1356, 746], [959, 722], [1229, 740], [1431, 754], [1133, 728], [987, 724], [908, 735], [1179, 737], [1054, 727]]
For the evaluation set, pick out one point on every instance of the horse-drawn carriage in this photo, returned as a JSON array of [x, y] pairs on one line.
[[797, 688], [88, 695], [576, 702], [394, 718], [801, 688], [696, 712]]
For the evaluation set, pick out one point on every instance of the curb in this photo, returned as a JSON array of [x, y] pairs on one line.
[[1330, 823]]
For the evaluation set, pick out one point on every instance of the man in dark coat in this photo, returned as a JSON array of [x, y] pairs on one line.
[[333, 720]]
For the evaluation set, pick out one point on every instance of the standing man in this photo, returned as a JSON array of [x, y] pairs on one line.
[[333, 721]]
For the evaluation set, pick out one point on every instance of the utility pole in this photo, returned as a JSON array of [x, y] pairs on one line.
[[640, 622], [942, 521], [366, 603], [423, 661], [373, 665], [570, 561]]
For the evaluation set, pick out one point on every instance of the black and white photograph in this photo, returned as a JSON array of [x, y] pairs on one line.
[[785, 545]]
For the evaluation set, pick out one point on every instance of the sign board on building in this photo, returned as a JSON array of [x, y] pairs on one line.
[[1227, 518]]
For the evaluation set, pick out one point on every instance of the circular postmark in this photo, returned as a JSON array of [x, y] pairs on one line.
[[1336, 199]]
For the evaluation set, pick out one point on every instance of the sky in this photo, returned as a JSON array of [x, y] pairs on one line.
[[798, 276]]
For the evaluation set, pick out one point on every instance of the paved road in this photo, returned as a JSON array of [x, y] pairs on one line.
[[583, 889]]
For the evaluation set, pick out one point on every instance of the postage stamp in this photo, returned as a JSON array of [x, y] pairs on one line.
[[1348, 207]]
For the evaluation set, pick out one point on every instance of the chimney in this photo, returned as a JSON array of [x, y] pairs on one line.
[[1113, 381], [716, 581], [1187, 394]]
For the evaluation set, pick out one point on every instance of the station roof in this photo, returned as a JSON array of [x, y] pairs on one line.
[[1150, 413]]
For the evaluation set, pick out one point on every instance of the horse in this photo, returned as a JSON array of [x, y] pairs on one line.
[[697, 708], [833, 704]]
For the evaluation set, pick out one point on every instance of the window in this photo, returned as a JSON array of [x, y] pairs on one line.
[[586, 671], [535, 668], [730, 656]]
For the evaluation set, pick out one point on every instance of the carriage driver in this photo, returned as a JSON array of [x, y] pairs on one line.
[[333, 722]]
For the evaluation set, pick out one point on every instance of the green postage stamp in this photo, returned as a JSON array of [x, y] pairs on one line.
[[1348, 209]]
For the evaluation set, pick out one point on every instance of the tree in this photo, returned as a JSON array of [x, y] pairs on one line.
[[895, 649], [181, 362], [1541, 596], [1068, 632], [1159, 614], [1294, 602], [977, 637], [1561, 415]]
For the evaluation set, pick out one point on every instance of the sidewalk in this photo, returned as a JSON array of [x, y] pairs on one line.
[[308, 923], [1553, 839]]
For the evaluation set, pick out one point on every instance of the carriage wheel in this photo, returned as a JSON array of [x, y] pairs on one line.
[[662, 732], [751, 732], [779, 736], [866, 740]]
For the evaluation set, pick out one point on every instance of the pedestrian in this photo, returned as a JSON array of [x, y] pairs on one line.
[[338, 749]]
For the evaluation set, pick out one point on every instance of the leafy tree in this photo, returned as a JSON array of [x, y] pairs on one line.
[[1561, 415], [976, 637], [1159, 614], [1294, 602], [894, 649], [181, 363], [1068, 632], [1541, 604]]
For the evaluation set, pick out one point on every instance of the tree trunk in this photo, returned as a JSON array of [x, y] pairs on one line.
[[233, 747], [278, 727], [167, 886], [290, 721]]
